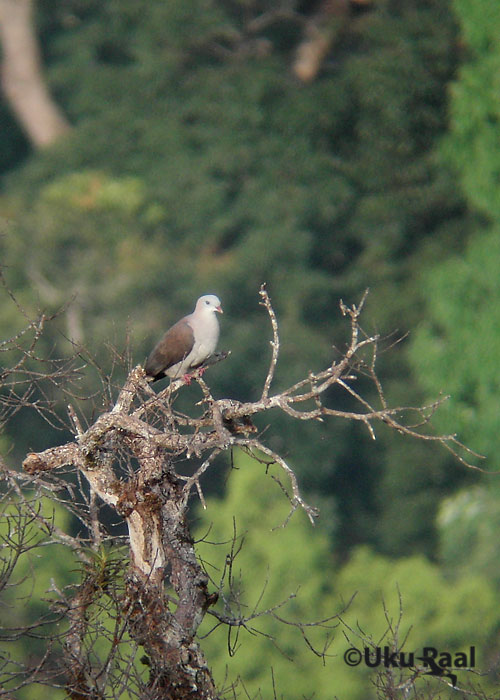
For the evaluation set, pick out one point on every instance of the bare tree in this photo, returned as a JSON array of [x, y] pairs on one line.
[[22, 80], [154, 584]]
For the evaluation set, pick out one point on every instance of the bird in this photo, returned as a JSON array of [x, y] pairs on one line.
[[188, 343]]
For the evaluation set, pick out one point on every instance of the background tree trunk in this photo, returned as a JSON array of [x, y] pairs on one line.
[[320, 34], [22, 79]]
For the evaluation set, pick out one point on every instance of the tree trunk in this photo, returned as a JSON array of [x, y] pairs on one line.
[[22, 80], [155, 510], [320, 34]]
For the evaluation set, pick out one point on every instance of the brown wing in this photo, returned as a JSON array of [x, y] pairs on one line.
[[175, 345]]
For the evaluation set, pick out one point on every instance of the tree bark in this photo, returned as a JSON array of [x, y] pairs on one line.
[[22, 79], [156, 514]]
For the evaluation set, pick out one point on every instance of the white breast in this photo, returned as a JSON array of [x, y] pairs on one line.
[[206, 337]]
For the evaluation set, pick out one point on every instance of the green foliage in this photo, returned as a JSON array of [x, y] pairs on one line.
[[410, 594], [276, 566], [435, 612], [455, 349], [468, 522], [198, 164], [82, 225], [412, 598], [456, 346], [18, 527], [43, 586], [473, 142], [33, 566]]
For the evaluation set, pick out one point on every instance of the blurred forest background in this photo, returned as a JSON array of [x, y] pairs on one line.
[[208, 146]]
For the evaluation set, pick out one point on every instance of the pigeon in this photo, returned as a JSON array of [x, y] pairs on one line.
[[188, 343]]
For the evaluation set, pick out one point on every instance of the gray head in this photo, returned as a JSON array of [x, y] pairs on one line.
[[208, 303]]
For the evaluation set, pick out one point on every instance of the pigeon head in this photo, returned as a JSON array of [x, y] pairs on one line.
[[208, 303]]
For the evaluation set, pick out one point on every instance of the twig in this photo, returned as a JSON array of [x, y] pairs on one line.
[[253, 444], [275, 342]]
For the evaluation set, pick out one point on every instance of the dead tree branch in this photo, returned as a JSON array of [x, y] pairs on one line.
[[145, 429]]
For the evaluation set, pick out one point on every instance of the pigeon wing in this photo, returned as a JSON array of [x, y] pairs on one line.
[[174, 347]]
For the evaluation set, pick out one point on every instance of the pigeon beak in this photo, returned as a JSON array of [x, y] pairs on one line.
[[219, 309]]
